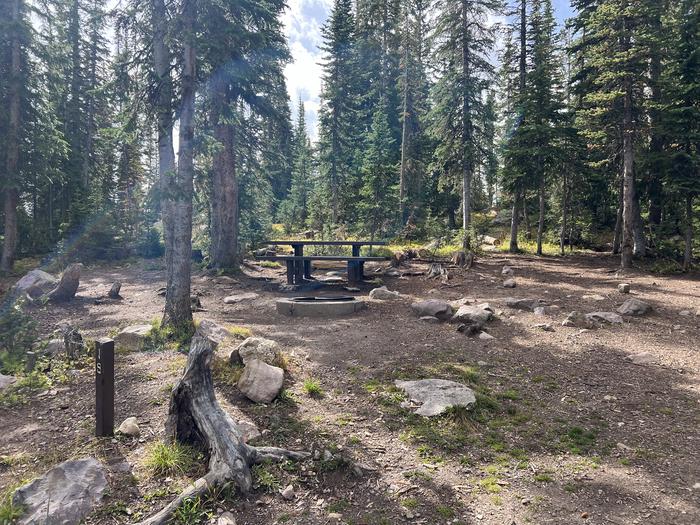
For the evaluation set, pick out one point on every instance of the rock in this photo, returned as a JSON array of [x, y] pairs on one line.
[[485, 336], [540, 310], [430, 319], [226, 519], [265, 350], [196, 304], [212, 331], [593, 297], [234, 299], [643, 358], [68, 285], [335, 516], [433, 308], [55, 347], [547, 327], [64, 495], [578, 320], [249, 430], [288, 493], [509, 283], [383, 294], [604, 317], [133, 338], [261, 382], [35, 284], [507, 270], [685, 313], [436, 395], [634, 307], [129, 427], [476, 316], [523, 304], [6, 381], [623, 288], [114, 291]]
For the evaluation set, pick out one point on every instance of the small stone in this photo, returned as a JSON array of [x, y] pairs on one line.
[[261, 382], [643, 358], [685, 313], [484, 336], [578, 320], [696, 486], [430, 319], [540, 310], [226, 519], [593, 297], [133, 338], [634, 307], [335, 516], [6, 381], [623, 288], [509, 283], [584, 515], [288, 493], [604, 317], [507, 270], [129, 427], [545, 327], [433, 308]]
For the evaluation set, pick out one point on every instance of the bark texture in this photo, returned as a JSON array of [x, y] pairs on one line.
[[196, 418]]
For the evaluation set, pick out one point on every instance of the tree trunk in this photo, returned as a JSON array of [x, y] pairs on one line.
[[224, 195], [628, 214], [640, 241], [403, 216], [564, 213], [195, 417], [655, 186], [526, 219], [9, 247], [617, 239], [467, 167], [178, 310], [540, 222], [515, 219], [688, 255]]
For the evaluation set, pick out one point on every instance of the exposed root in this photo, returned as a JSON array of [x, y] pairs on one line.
[[195, 417]]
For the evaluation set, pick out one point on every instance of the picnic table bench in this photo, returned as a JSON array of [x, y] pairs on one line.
[[299, 265]]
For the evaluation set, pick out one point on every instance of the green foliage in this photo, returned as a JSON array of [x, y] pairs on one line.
[[9, 512], [312, 388], [192, 511], [163, 459], [17, 336]]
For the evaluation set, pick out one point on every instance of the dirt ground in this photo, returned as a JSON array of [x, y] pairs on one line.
[[567, 429]]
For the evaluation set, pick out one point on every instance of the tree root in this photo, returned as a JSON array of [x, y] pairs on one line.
[[195, 417]]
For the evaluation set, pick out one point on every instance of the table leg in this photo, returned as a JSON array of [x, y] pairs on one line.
[[298, 265], [307, 269], [290, 272]]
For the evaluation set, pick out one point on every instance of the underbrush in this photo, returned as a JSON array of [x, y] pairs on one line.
[[164, 459]]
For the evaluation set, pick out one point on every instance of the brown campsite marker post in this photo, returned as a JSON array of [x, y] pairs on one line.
[[104, 387]]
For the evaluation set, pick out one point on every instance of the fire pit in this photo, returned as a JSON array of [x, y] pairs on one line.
[[324, 306]]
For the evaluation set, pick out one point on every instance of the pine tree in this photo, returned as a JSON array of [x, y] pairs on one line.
[[464, 40]]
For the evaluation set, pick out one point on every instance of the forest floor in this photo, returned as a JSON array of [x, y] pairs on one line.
[[567, 429]]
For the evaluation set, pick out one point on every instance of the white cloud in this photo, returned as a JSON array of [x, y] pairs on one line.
[[303, 21]]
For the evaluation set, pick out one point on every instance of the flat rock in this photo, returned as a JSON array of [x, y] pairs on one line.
[[235, 299], [129, 427], [260, 348], [485, 336], [634, 306], [436, 395], [509, 283], [433, 308], [643, 358], [507, 270], [6, 381], [383, 294], [523, 304], [64, 495], [261, 382], [430, 319], [578, 320], [605, 317], [133, 338]]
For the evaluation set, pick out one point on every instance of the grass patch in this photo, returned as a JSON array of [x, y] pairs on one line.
[[168, 337], [240, 332], [579, 440], [312, 388], [409, 503], [265, 479], [163, 459], [269, 264], [490, 484], [224, 373], [445, 512], [543, 477], [9, 512], [192, 511]]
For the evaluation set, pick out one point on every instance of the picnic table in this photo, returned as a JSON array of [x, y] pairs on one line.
[[299, 265]]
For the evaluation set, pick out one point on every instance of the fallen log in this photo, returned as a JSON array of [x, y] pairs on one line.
[[196, 418]]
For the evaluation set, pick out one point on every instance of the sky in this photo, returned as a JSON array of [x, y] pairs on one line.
[[303, 21]]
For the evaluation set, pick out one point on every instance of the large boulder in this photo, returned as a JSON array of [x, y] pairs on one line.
[[476, 316], [68, 285], [433, 308], [133, 338], [261, 382], [34, 284], [634, 307], [64, 495], [436, 395], [256, 348], [6, 381], [383, 294]]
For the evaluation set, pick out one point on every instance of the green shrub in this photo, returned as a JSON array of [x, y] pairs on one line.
[[17, 335], [165, 459]]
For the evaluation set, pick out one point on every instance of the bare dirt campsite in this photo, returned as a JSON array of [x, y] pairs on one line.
[[593, 423]]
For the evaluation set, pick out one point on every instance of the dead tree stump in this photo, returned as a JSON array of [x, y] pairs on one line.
[[196, 418], [68, 285]]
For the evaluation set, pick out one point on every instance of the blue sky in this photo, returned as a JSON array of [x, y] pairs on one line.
[[303, 21]]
